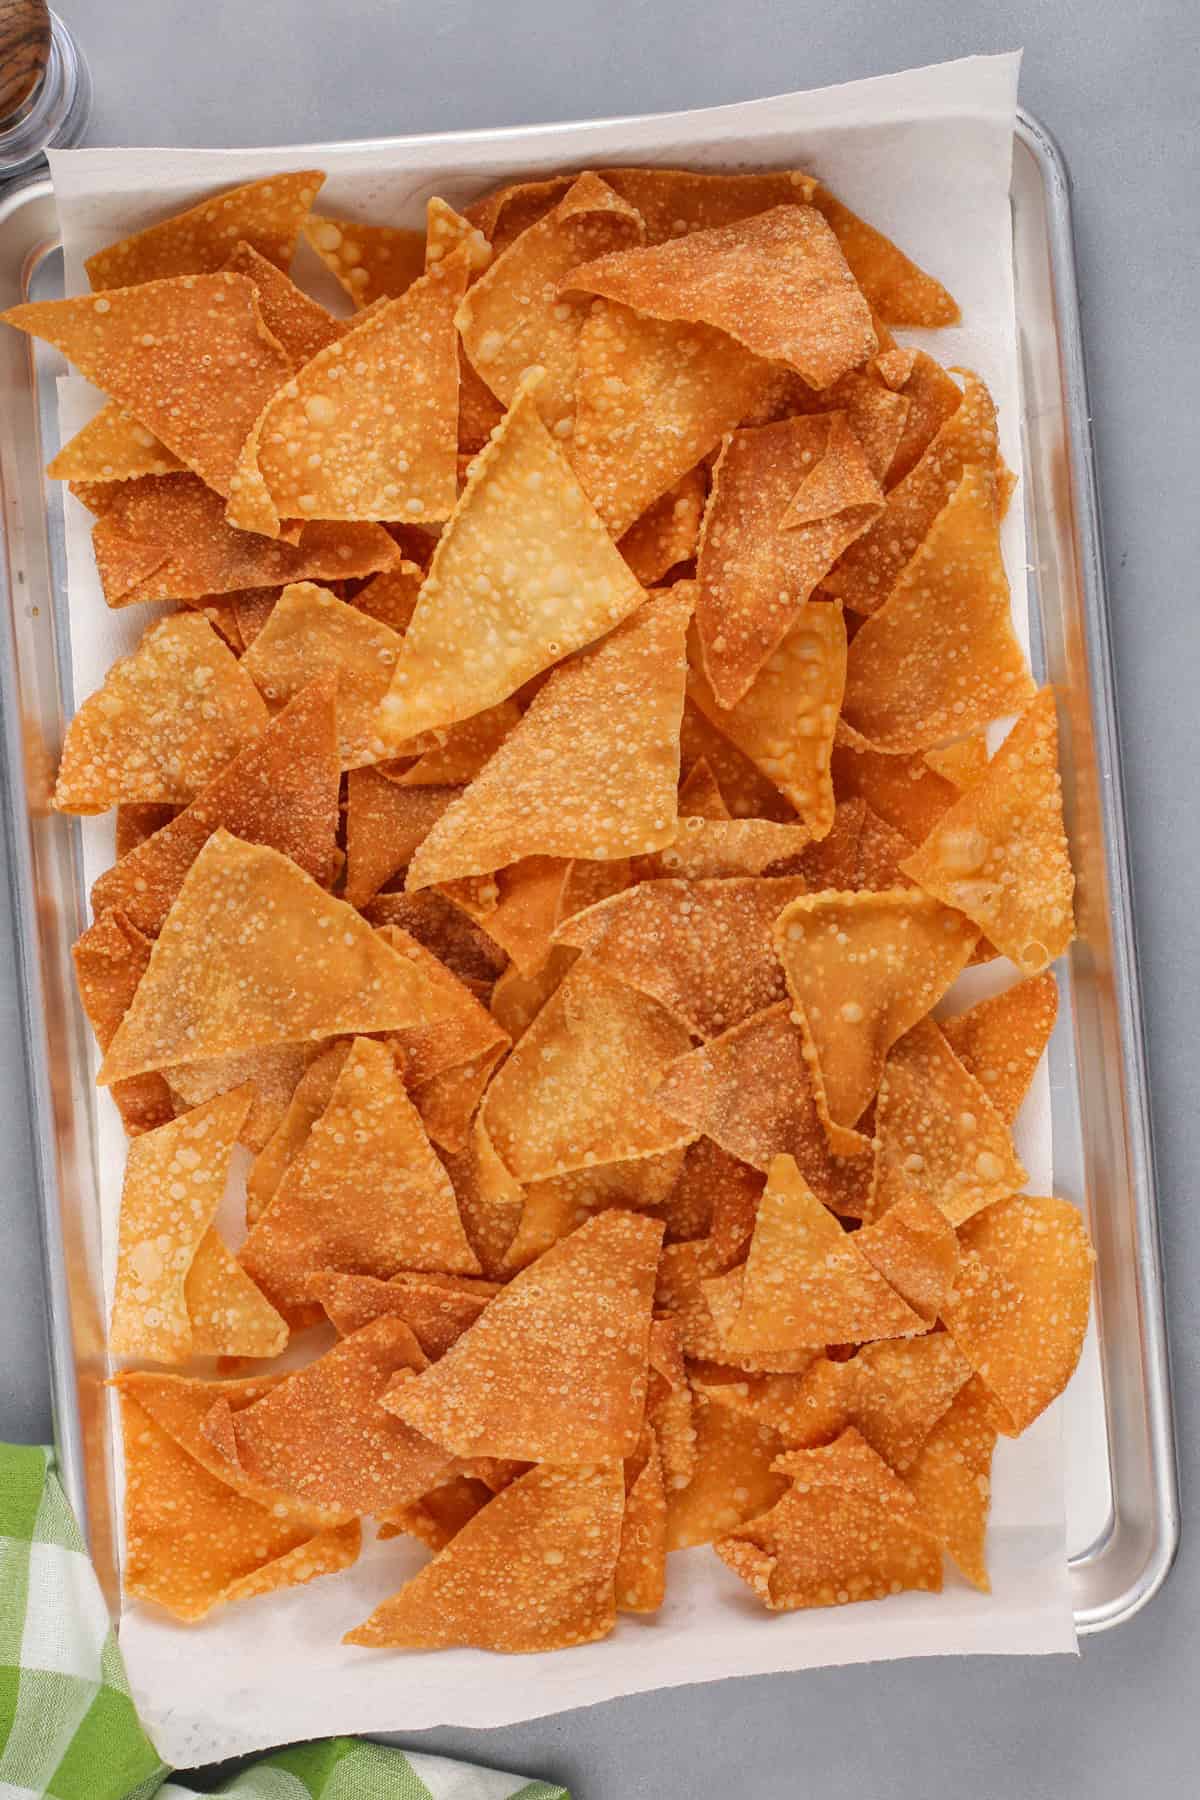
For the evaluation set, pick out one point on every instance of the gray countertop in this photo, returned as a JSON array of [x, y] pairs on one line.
[[1117, 85]]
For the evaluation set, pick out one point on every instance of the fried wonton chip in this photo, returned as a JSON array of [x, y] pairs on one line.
[[700, 795], [252, 954], [868, 570], [1019, 1309], [174, 1180], [847, 1529], [270, 1073], [745, 790], [438, 1515], [490, 1201], [164, 351], [716, 849], [592, 769], [436, 1308], [940, 655], [641, 1573], [281, 790], [112, 447], [711, 1187], [932, 396], [310, 1097], [166, 538], [385, 824], [555, 1207], [513, 317], [518, 999], [752, 1090], [961, 762], [310, 631], [230, 1316], [267, 214], [137, 823], [862, 968], [518, 907], [785, 721], [463, 1030], [668, 532], [776, 282], [760, 558], [443, 928], [110, 959], [302, 326], [167, 718], [534, 1570], [392, 596], [733, 1478], [904, 791], [1000, 853], [898, 290], [688, 1291], [874, 414], [653, 396], [364, 1195], [371, 262], [951, 1479], [703, 949], [555, 1368], [368, 429], [1001, 1039], [457, 755], [579, 1088], [805, 1281], [321, 1438], [915, 1249], [515, 585], [936, 1127]]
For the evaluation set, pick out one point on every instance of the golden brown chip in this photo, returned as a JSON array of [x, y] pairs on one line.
[[592, 769], [110, 959], [372, 262], [518, 999], [700, 795], [579, 1088], [685, 1272], [181, 1404], [229, 1315], [874, 414], [932, 396], [164, 351], [555, 1367], [443, 928], [515, 585], [1001, 1039], [746, 791], [1000, 853], [776, 282], [385, 824], [904, 791], [899, 291], [301, 325], [914, 1247], [936, 1126], [174, 1181], [309, 1099], [167, 718], [253, 954], [653, 396], [436, 1308], [449, 1101], [1019, 1309], [785, 721], [733, 1477], [668, 532], [711, 1187], [392, 596], [671, 201], [489, 1200], [940, 655], [137, 823], [438, 1515], [847, 1529], [456, 756], [951, 1479], [271, 1074], [463, 1031], [555, 1207], [281, 790], [532, 1571], [112, 447], [518, 906], [862, 969], [267, 214], [641, 1572], [961, 762], [752, 1090]]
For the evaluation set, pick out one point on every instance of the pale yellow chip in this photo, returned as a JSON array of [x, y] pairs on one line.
[[1001, 1039], [1000, 853], [112, 447], [267, 214], [371, 262], [951, 1479], [166, 721]]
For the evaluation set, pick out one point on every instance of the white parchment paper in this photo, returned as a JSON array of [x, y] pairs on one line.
[[925, 155]]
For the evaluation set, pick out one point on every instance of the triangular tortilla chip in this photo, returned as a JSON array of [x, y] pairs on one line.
[[703, 949], [777, 283], [385, 824], [456, 756], [746, 791], [532, 1571], [281, 790], [785, 721], [112, 447], [310, 1097], [1000, 853], [110, 959], [733, 1477], [915, 1249], [932, 396], [174, 1181], [302, 326], [936, 1126], [556, 1207], [268, 214], [652, 397], [761, 557], [940, 655], [579, 1088], [365, 1194], [372, 262], [322, 1438], [368, 429], [443, 928], [166, 538], [668, 532], [904, 791], [436, 1308], [752, 1090], [518, 907], [1001, 1039], [253, 953], [592, 769], [641, 1572], [555, 1367], [1019, 1309], [513, 586], [164, 351], [862, 969], [951, 1479], [805, 1281], [229, 1315], [513, 317], [847, 1529], [899, 291], [167, 718]]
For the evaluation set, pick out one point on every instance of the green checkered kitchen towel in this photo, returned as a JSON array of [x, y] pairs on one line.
[[68, 1729]]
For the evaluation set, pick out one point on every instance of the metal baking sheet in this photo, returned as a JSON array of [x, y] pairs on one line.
[[1122, 1502]]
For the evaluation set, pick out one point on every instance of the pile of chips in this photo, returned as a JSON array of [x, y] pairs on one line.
[[548, 829]]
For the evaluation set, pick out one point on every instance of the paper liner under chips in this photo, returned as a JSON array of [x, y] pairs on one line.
[[951, 1479], [371, 262], [555, 1368], [1001, 1040], [267, 214], [110, 959], [112, 447]]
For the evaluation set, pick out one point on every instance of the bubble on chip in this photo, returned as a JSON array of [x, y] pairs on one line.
[[371, 262]]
